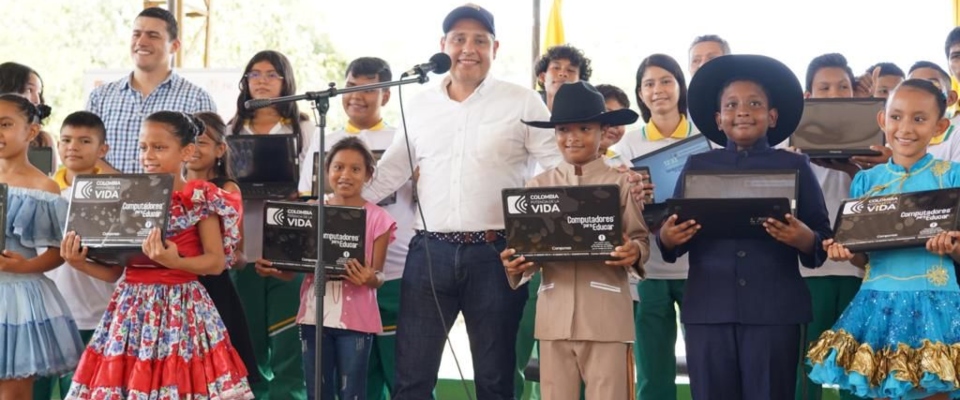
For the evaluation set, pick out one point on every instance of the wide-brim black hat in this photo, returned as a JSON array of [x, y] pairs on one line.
[[779, 82], [581, 102]]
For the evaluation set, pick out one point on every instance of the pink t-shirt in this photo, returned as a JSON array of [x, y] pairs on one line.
[[345, 305]]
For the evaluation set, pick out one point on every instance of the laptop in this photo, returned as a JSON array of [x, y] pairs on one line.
[[563, 223], [739, 218], [743, 184], [290, 232], [896, 220], [839, 128], [113, 214], [665, 165], [42, 158], [265, 166], [320, 178]]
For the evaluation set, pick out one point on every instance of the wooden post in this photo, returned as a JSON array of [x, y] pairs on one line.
[[206, 35]]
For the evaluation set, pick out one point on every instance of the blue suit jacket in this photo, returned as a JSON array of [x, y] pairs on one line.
[[752, 281]]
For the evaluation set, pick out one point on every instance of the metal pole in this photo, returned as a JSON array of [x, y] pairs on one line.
[[206, 36]]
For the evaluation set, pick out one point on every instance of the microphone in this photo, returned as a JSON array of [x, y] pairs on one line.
[[438, 64], [257, 103]]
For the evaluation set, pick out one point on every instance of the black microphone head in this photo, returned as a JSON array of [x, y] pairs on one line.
[[256, 103], [442, 63]]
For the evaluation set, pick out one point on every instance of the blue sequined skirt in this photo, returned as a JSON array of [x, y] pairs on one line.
[[896, 344]]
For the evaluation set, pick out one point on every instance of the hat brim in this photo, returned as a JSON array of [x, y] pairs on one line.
[[780, 83], [615, 118]]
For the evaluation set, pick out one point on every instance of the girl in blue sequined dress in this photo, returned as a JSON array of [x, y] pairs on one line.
[[900, 336], [38, 336]]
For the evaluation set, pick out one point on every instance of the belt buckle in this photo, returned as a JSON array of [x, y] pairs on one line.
[[490, 236]]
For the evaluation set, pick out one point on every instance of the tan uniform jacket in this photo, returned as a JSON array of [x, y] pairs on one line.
[[588, 300]]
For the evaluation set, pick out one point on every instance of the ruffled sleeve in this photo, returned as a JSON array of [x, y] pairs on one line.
[[202, 199], [35, 218]]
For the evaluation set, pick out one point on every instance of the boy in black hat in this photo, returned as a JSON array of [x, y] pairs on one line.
[[584, 307], [745, 300]]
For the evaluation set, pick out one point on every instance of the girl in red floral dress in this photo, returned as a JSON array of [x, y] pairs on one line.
[[161, 336]]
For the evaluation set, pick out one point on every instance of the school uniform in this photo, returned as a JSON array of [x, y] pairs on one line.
[[584, 308]]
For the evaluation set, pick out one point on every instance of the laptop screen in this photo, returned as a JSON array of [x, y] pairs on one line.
[[264, 158], [741, 184], [666, 163], [838, 124], [42, 158]]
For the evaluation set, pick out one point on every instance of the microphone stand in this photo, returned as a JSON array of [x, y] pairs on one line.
[[321, 104]]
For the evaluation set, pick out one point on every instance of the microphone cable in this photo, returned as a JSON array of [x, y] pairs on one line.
[[426, 246]]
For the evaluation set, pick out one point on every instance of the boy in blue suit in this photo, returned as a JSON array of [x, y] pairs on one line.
[[745, 301]]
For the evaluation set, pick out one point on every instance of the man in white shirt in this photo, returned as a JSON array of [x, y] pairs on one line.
[[466, 138]]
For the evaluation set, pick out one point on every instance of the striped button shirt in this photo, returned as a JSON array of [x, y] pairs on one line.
[[123, 110]]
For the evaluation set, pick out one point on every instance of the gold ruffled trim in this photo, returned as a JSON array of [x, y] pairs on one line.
[[905, 363]]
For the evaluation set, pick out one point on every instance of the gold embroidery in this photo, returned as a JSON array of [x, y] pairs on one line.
[[940, 168], [937, 275], [866, 272], [905, 363]]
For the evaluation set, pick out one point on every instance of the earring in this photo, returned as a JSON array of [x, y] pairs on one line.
[[219, 162]]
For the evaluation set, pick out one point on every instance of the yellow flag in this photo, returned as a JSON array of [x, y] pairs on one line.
[[554, 34]]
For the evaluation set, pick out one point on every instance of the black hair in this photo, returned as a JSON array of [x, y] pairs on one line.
[[926, 86], [184, 126], [829, 60], [770, 102], [217, 130], [887, 69], [173, 30], [369, 66], [288, 111], [564, 52], [615, 93], [29, 111], [86, 119], [944, 76], [351, 143], [952, 38], [668, 63], [14, 78], [724, 46]]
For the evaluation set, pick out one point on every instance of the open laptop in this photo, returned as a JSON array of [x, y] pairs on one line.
[[42, 158], [839, 128], [113, 214], [740, 218], [896, 220], [320, 178], [290, 232], [734, 204], [664, 166], [743, 184], [563, 223], [265, 166]]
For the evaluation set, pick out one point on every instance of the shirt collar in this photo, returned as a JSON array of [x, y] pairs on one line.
[[760, 146], [590, 168], [485, 85], [171, 78], [353, 130], [942, 137], [61, 176], [682, 131], [921, 163]]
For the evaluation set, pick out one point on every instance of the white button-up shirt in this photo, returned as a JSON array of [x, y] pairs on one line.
[[467, 153]]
